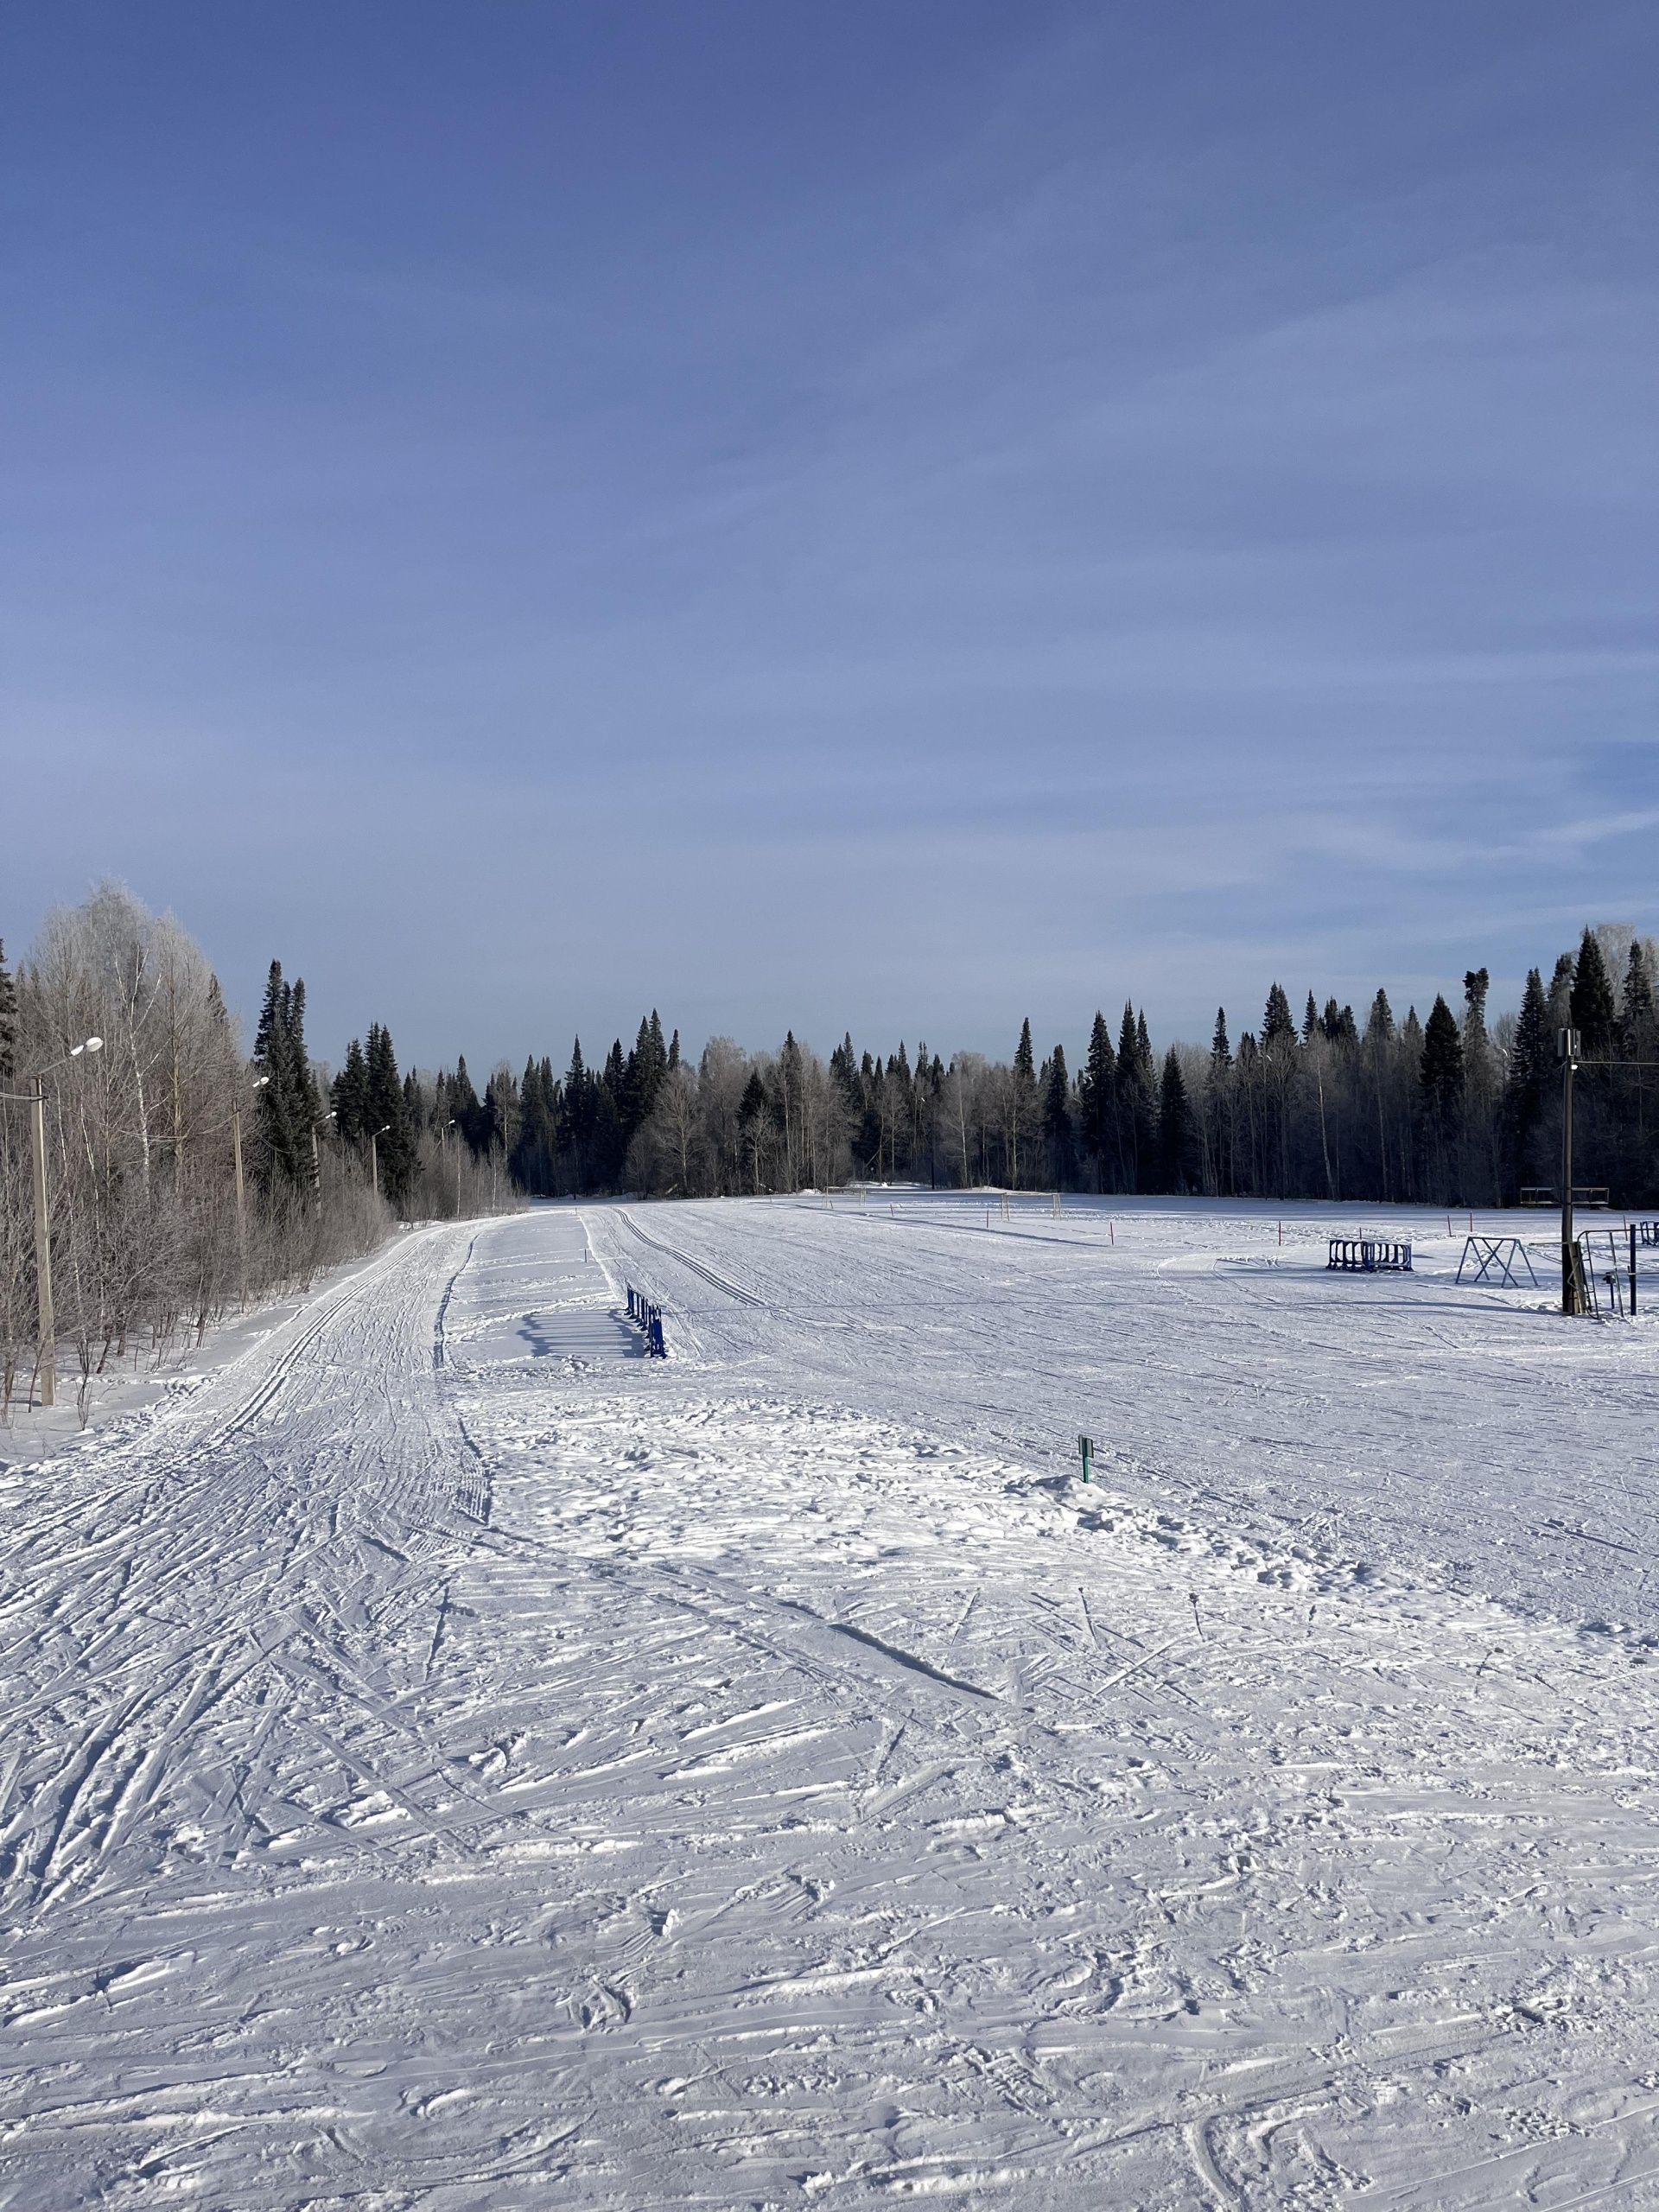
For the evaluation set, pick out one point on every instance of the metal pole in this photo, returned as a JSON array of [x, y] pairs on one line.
[[374, 1162], [43, 1249], [1632, 1271], [241, 1200]]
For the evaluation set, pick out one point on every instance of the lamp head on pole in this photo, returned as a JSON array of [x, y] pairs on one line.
[[91, 1044]]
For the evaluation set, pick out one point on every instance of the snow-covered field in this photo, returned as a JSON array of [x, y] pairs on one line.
[[450, 1760]]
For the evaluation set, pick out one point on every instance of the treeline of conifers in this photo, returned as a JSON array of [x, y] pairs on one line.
[[1450, 1111], [153, 1233]]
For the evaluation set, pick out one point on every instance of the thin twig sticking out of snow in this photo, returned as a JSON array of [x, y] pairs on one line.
[[1135, 1665]]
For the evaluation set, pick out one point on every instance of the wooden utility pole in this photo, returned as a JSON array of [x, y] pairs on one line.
[[36, 1102], [241, 1201], [43, 1249], [1572, 1286]]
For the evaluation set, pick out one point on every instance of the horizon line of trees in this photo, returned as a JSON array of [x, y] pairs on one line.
[[1452, 1110], [147, 1238]]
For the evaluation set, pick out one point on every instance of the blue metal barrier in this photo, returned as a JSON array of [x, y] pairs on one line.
[[650, 1319], [1369, 1255]]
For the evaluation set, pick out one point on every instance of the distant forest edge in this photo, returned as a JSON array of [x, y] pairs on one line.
[[151, 1229], [1447, 1111]]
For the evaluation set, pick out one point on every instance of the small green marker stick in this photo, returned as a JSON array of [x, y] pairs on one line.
[[1086, 1452]]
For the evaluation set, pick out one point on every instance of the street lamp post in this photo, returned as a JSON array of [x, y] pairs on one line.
[[374, 1156], [36, 1102], [1573, 1285], [316, 1161], [241, 1200]]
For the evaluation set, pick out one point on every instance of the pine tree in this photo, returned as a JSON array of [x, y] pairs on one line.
[[1379, 1025], [1221, 1053], [350, 1094], [1278, 1029], [1594, 1011], [392, 1139], [1310, 1020], [843, 1066], [466, 1110], [1532, 1056], [1022, 1105], [1097, 1090], [8, 1020], [1143, 1048], [287, 1109], [1131, 1101], [1174, 1127], [1532, 1062], [1057, 1118], [1441, 1073], [618, 1079], [577, 1115]]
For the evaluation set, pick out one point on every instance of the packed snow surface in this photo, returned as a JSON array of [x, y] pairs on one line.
[[451, 1760]]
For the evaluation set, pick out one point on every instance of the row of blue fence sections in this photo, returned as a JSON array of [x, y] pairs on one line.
[[1369, 1255], [650, 1319]]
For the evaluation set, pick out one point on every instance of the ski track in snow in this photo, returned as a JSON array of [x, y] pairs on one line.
[[453, 1761]]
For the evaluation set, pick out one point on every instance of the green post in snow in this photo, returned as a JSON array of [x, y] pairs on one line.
[[1085, 1452]]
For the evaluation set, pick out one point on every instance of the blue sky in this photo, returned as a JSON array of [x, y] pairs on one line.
[[896, 516]]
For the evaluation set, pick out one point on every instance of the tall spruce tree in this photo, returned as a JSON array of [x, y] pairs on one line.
[[1023, 1106], [1024, 1060], [350, 1095], [1174, 1127], [1594, 1012], [287, 1111], [468, 1109], [1131, 1101], [1057, 1119], [393, 1140], [1525, 1089], [1278, 1029], [1097, 1091], [1441, 1071]]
